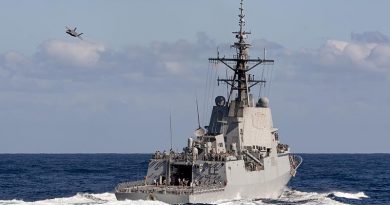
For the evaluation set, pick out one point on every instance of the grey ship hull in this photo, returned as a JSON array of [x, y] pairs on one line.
[[270, 189], [268, 183]]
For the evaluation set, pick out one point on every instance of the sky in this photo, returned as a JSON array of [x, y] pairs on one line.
[[142, 61]]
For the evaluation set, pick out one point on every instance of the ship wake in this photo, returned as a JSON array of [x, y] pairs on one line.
[[305, 198], [288, 197]]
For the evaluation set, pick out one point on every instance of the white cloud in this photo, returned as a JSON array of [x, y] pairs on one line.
[[335, 46], [337, 56], [380, 57], [143, 81], [15, 59], [80, 53], [174, 67]]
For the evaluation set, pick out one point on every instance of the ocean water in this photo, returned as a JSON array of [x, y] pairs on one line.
[[86, 179]]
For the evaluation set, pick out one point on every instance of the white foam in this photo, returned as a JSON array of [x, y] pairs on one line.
[[83, 198], [288, 197], [308, 198], [358, 195]]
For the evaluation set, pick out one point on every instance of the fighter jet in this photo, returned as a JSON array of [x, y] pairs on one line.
[[73, 32]]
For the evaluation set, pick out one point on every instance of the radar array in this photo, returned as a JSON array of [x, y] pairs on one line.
[[241, 64]]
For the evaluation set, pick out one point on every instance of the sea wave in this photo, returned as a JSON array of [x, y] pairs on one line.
[[82, 199], [288, 197], [358, 195]]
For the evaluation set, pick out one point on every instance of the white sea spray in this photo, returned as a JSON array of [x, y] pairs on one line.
[[288, 197]]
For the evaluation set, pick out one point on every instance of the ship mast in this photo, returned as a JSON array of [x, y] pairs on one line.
[[241, 64]]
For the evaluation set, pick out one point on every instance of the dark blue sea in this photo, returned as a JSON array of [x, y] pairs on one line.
[[91, 178]]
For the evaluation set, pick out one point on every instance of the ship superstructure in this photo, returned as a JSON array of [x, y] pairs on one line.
[[239, 155]]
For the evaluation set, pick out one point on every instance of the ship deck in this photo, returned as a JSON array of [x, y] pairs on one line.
[[140, 187]]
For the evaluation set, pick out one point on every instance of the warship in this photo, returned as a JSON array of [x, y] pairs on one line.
[[237, 156]]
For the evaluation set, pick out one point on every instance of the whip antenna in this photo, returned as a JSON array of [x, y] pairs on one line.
[[170, 127], [200, 131], [197, 110]]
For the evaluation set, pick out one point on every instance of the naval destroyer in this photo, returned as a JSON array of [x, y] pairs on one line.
[[238, 155]]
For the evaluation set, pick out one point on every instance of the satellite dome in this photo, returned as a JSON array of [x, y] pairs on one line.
[[263, 102], [199, 132], [220, 101]]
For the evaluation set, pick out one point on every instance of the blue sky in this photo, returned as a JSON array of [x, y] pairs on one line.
[[113, 91]]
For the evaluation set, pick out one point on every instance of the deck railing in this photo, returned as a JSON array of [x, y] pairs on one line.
[[139, 186], [295, 162]]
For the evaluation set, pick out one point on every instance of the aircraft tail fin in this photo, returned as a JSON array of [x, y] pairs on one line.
[[79, 36]]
